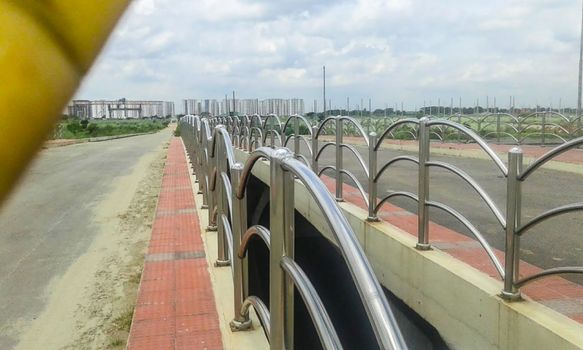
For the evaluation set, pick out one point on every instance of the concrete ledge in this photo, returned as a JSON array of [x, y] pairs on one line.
[[459, 300]]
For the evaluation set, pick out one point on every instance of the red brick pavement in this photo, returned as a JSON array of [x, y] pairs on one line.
[[175, 307]]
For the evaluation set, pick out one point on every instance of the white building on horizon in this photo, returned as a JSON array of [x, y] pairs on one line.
[[120, 109], [215, 107]]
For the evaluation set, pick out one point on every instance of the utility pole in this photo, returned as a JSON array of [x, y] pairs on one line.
[[234, 107], [369, 116], [348, 106], [580, 74], [324, 79]]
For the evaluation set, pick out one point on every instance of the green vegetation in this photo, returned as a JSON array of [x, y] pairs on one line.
[[177, 130], [73, 128]]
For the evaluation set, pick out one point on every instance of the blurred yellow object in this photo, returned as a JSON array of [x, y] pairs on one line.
[[46, 47]]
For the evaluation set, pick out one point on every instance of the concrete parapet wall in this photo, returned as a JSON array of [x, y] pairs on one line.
[[461, 302]]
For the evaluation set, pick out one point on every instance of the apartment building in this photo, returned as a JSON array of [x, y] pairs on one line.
[[120, 109]]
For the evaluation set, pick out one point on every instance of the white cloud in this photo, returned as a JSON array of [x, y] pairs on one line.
[[389, 50]]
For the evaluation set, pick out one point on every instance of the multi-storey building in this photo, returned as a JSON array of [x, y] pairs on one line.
[[244, 106], [120, 109]]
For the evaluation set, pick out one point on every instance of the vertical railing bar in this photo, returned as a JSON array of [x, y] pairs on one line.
[[339, 158], [372, 172], [512, 248], [222, 207], [241, 321], [423, 187], [281, 228], [315, 150]]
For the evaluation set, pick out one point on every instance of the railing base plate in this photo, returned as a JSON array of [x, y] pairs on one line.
[[511, 296], [211, 228], [239, 326], [222, 263], [423, 246]]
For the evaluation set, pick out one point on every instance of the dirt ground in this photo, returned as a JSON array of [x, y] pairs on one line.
[[91, 306]]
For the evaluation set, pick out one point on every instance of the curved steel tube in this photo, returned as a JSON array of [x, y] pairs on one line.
[[470, 181], [319, 315], [395, 194], [228, 235], [269, 117], [321, 127], [470, 133], [502, 133], [272, 131], [228, 191], [473, 230], [357, 183], [392, 161], [391, 128], [437, 135], [256, 230], [261, 152], [358, 127], [327, 167], [261, 310], [305, 139], [301, 118], [324, 146], [382, 321], [549, 214], [220, 130], [358, 157], [556, 271], [304, 159], [214, 179], [548, 156]]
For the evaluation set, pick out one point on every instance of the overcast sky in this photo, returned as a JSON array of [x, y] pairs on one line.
[[389, 51]]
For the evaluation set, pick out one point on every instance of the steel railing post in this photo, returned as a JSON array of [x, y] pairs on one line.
[[240, 322], [423, 186], [513, 212], [222, 208], [281, 288], [498, 128], [203, 168], [211, 197], [297, 137], [272, 133], [543, 128], [339, 158], [372, 172], [315, 150]]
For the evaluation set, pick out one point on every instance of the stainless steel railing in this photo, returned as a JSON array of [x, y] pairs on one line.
[[225, 183], [424, 130], [543, 126]]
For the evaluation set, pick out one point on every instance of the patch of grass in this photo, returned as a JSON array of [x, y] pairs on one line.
[[123, 322], [116, 343], [73, 128], [135, 279]]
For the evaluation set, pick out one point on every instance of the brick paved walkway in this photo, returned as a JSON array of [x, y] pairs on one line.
[[175, 307]]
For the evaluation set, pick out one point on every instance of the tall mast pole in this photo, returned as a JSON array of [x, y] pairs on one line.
[[580, 73], [324, 79]]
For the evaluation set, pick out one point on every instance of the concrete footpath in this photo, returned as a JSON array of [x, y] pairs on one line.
[[175, 308]]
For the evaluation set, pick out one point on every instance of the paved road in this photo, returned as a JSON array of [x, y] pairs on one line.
[[556, 243], [46, 225]]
